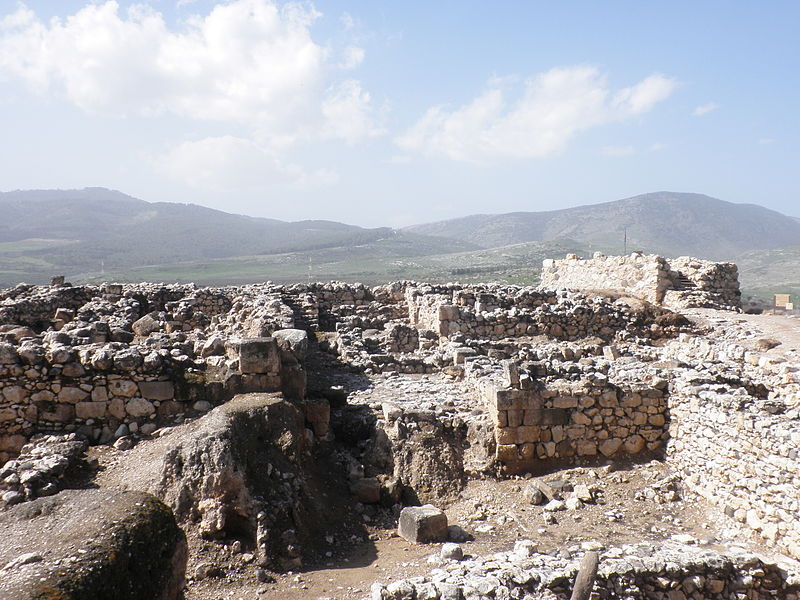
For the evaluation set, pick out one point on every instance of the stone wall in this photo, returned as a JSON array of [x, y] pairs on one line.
[[538, 425], [737, 450], [104, 392], [680, 283], [639, 275], [495, 312], [667, 571]]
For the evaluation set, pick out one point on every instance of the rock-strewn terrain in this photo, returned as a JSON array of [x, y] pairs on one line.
[[286, 426]]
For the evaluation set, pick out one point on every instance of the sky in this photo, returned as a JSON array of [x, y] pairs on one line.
[[386, 113]]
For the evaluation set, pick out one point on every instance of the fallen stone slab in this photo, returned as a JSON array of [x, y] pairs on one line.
[[423, 524], [91, 545]]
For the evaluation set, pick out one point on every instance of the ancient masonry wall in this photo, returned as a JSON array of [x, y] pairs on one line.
[[679, 283], [96, 393], [740, 454], [450, 310], [558, 423]]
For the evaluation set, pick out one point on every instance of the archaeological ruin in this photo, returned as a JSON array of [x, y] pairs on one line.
[[178, 439]]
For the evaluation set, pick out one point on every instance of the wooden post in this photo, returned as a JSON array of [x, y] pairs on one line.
[[584, 580]]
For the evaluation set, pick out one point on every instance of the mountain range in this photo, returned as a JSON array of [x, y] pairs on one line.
[[667, 223], [95, 234]]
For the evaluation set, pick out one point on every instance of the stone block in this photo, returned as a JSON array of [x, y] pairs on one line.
[[14, 394], [72, 395], [423, 524], [634, 444], [157, 390], [292, 342], [610, 446], [514, 417], [123, 387], [555, 416], [586, 448], [527, 434], [507, 452], [367, 490], [168, 408], [139, 407], [116, 408], [448, 312], [90, 410], [58, 412], [506, 435], [609, 399], [565, 402], [259, 355]]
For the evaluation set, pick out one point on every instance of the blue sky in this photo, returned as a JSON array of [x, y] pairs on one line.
[[394, 113]]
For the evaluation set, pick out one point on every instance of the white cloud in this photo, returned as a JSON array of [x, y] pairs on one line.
[[229, 163], [704, 109], [617, 151], [552, 108], [353, 56], [347, 21], [246, 61], [766, 141], [348, 113]]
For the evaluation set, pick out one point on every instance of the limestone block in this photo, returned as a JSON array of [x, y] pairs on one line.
[[366, 490], [506, 435], [514, 417], [610, 446], [90, 410], [14, 394], [565, 402], [72, 395], [423, 524], [7, 414], [527, 434], [139, 407], [59, 412], [634, 444], [609, 399], [586, 448], [123, 387], [507, 452], [259, 355], [147, 324], [448, 312], [116, 408], [157, 390], [293, 342], [99, 393]]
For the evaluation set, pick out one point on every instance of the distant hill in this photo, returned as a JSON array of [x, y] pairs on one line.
[[97, 234], [668, 223], [770, 272], [86, 231]]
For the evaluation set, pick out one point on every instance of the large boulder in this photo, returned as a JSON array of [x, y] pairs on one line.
[[93, 544]]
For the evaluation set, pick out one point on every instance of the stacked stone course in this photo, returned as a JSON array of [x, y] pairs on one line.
[[676, 283]]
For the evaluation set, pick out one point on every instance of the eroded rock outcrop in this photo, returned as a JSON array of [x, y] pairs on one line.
[[238, 473], [91, 545]]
